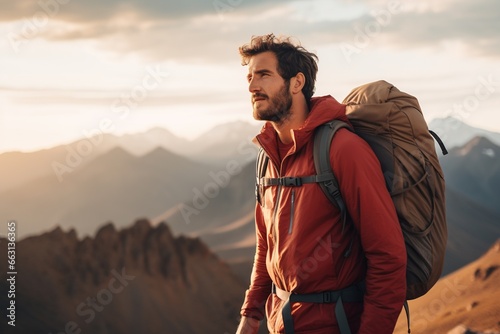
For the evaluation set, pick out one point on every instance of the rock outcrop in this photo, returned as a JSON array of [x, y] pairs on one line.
[[140, 279]]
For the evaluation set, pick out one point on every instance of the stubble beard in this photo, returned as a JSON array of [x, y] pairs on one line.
[[279, 107]]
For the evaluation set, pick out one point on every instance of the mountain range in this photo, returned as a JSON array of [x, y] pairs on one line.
[[213, 200], [115, 186], [223, 143], [116, 179]]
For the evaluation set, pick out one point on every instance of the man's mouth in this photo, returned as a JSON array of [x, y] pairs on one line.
[[258, 98]]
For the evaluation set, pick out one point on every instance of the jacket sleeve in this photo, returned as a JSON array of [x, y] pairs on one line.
[[371, 208], [260, 282]]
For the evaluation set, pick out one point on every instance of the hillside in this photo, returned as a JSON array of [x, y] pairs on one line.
[[472, 228], [464, 302]]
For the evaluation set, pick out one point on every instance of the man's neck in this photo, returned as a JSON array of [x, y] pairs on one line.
[[295, 121]]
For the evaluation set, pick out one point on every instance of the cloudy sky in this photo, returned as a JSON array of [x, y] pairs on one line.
[[70, 68]]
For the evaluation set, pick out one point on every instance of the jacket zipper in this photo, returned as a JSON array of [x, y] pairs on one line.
[[275, 213], [292, 211]]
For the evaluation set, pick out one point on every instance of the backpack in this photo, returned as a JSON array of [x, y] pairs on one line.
[[391, 122]]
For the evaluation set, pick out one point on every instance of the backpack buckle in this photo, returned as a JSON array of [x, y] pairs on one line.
[[290, 181]]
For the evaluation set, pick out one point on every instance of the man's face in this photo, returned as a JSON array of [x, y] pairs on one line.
[[271, 98]]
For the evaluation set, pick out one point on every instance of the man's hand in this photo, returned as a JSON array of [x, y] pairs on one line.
[[248, 326]]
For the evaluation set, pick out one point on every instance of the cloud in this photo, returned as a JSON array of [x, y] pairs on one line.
[[211, 31], [475, 25], [97, 11], [407, 25], [42, 97]]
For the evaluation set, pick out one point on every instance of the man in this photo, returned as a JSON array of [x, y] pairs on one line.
[[302, 246]]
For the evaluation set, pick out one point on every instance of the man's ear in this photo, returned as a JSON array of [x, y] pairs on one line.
[[297, 83]]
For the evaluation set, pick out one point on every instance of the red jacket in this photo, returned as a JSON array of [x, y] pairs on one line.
[[300, 247]]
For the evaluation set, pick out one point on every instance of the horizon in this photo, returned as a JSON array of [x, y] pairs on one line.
[[71, 68], [199, 135], [133, 132]]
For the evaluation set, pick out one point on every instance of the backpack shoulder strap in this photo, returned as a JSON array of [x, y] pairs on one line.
[[322, 143]]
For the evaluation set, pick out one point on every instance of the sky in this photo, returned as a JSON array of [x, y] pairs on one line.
[[74, 68]]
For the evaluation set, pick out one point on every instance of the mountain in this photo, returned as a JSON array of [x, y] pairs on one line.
[[225, 142], [455, 133], [466, 301], [472, 174], [115, 186], [144, 142], [473, 170], [19, 168], [140, 279]]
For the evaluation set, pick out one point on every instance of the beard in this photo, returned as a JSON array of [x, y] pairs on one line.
[[278, 109]]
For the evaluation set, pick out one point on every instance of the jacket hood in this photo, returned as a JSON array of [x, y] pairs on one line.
[[323, 109]]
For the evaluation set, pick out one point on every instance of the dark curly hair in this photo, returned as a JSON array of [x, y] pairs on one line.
[[292, 59]]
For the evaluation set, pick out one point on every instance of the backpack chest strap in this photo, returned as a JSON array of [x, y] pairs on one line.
[[293, 181]]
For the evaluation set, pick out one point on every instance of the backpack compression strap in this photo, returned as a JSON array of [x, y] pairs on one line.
[[440, 142]]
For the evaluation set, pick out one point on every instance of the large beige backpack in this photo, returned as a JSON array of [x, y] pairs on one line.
[[392, 123]]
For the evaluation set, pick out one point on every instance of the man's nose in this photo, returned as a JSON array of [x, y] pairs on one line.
[[253, 86]]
